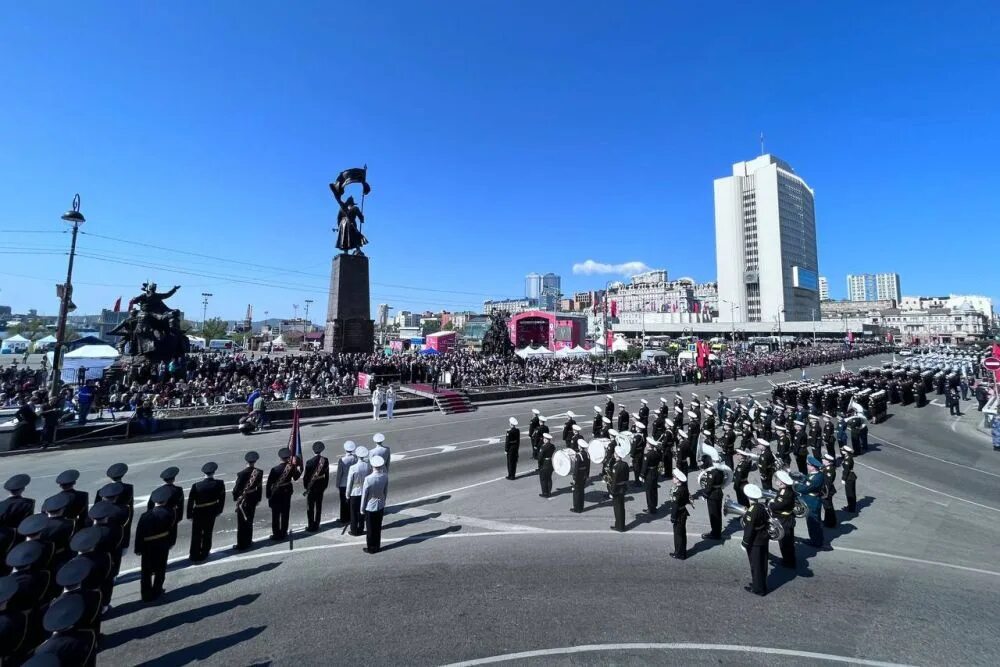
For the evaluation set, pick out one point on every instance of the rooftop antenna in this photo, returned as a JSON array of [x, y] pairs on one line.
[[761, 143]]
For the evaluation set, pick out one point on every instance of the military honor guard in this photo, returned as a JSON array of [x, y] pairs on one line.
[[850, 479], [511, 445], [716, 480], [247, 493], [679, 514], [619, 486], [315, 478], [58, 529], [374, 492], [581, 475], [175, 502], [683, 451], [808, 490], [644, 413], [651, 475], [154, 538], [799, 445], [93, 544], [623, 417], [355, 486], [784, 445], [783, 509], [609, 407], [14, 625], [14, 509], [532, 427], [767, 464], [829, 490], [380, 449], [543, 428], [755, 540], [278, 491], [206, 501], [126, 499], [71, 641], [598, 425], [545, 455], [79, 501], [344, 464], [567, 431], [638, 449], [741, 476], [81, 577]]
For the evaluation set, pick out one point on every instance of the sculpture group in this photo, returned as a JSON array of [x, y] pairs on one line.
[[152, 330]]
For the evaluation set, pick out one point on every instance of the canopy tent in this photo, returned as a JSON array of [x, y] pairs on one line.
[[42, 343], [534, 352], [688, 355], [93, 358], [572, 353], [619, 345], [15, 344], [653, 354], [429, 351]]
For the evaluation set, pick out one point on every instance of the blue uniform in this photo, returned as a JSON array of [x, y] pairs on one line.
[[373, 496], [808, 491]]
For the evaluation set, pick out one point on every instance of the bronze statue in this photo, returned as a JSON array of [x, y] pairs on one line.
[[497, 337], [152, 329], [350, 217]]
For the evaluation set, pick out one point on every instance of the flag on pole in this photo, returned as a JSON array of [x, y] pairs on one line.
[[614, 308], [295, 437], [118, 305]]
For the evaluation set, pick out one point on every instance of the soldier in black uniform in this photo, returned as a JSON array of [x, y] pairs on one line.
[[13, 623], [58, 529], [666, 442], [850, 479], [644, 413], [581, 474], [111, 518], [511, 446], [533, 426], [567, 431], [155, 535], [708, 426], [70, 643], [829, 491], [728, 444], [783, 509], [659, 424], [175, 501], [619, 485], [88, 544], [606, 427], [598, 425], [638, 450], [784, 445], [741, 474], [545, 455], [766, 464], [79, 501], [623, 417], [609, 407], [755, 540], [315, 479], [125, 500], [82, 577], [279, 492], [651, 475], [799, 447], [247, 494], [679, 514], [713, 496], [543, 428], [29, 561], [683, 451], [829, 435], [206, 501], [13, 510]]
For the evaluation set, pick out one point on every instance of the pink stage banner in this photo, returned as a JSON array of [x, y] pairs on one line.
[[363, 380]]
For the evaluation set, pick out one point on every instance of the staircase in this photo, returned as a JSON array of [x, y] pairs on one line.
[[448, 401]]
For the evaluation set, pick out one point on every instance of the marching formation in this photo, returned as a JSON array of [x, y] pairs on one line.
[[640, 449], [59, 565]]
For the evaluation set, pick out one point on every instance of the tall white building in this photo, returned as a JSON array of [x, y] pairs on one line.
[[533, 286], [382, 319], [824, 289], [765, 243], [873, 287]]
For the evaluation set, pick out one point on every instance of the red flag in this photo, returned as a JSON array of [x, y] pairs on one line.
[[118, 305], [295, 437], [996, 350], [614, 308]]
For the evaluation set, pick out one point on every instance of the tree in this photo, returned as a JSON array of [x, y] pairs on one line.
[[449, 326], [214, 328]]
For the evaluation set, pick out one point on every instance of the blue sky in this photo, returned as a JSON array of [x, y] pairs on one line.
[[501, 138]]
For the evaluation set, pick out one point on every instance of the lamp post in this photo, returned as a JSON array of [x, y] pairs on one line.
[[204, 310], [75, 218], [307, 302], [732, 316]]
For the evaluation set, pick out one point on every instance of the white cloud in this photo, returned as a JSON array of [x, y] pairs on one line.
[[628, 269]]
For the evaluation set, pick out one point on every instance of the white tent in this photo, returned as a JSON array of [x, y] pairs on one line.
[[15, 344], [41, 343], [688, 355], [619, 345], [532, 353], [572, 353], [94, 358]]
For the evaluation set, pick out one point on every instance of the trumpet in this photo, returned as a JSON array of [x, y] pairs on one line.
[[775, 530]]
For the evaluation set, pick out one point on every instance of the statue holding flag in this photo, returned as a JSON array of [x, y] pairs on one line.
[[350, 217]]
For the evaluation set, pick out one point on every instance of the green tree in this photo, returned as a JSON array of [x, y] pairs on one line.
[[214, 328], [450, 326]]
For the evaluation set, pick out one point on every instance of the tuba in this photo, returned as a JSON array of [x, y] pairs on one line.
[[800, 510], [775, 530]]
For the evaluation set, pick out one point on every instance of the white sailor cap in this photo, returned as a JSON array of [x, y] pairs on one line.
[[650, 440], [571, 414], [621, 405], [577, 428], [644, 401], [349, 446], [677, 394], [609, 397], [692, 414], [678, 410], [827, 456], [743, 452], [752, 492], [512, 421], [361, 452], [640, 425], [613, 433], [635, 416], [535, 411], [662, 400], [763, 443], [709, 410], [621, 451], [377, 461], [546, 436], [848, 449], [783, 477], [679, 476], [583, 444], [597, 409], [814, 418], [682, 433], [542, 418], [378, 438], [798, 423], [605, 420]]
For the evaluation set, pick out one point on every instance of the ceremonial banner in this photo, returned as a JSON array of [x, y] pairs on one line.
[[363, 380], [295, 437]]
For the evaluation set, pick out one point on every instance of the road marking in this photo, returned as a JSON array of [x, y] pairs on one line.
[[672, 646], [927, 488], [738, 389], [952, 463], [462, 520], [938, 403]]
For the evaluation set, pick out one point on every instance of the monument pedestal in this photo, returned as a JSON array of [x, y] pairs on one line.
[[349, 325]]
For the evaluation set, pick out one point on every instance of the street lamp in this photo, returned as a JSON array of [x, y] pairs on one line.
[[295, 312], [75, 218], [732, 316], [204, 310]]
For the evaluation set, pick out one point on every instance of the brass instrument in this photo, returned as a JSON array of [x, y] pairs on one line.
[[800, 510], [775, 530]]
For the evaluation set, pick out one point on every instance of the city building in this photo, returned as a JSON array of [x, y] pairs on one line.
[[587, 300], [835, 310], [873, 287], [824, 289], [382, 315], [517, 305], [533, 286], [937, 325], [551, 291], [475, 330], [765, 243], [108, 322], [405, 318], [982, 304], [652, 292]]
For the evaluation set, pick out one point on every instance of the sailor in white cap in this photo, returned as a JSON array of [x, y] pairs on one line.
[[623, 416], [830, 481], [536, 442], [533, 424], [598, 425], [644, 412], [545, 455], [800, 447], [783, 509], [511, 445], [766, 464], [679, 514], [609, 407], [850, 478], [355, 483], [606, 426], [755, 540], [650, 473], [380, 449], [638, 449], [741, 475], [347, 460], [567, 431], [619, 485], [577, 437], [581, 475], [374, 492]]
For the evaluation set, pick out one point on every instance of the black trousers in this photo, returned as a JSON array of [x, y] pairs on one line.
[[345, 505], [154, 570], [852, 497], [579, 487], [800, 463], [728, 460], [201, 537], [244, 526], [680, 536], [829, 513], [373, 525], [618, 501], [715, 515], [652, 492], [758, 569], [787, 545], [357, 521], [741, 497], [314, 509], [545, 480], [511, 465], [766, 478], [815, 529], [281, 505]]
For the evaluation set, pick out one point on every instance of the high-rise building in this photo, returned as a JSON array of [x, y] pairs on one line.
[[765, 243], [382, 315], [551, 291], [824, 289], [873, 287], [533, 286]]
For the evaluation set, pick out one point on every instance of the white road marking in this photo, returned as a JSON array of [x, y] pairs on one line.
[[927, 488], [938, 403], [672, 646], [738, 389], [952, 463]]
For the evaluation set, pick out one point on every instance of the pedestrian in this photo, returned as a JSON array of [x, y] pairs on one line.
[[374, 492]]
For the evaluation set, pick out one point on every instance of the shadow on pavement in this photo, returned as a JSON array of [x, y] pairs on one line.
[[205, 649], [419, 503], [644, 518], [421, 537], [729, 528], [167, 623], [411, 519]]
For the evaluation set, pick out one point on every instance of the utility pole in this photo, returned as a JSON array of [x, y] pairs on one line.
[[308, 301], [75, 218], [204, 310]]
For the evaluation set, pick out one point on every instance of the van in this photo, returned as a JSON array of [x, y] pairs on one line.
[[218, 344]]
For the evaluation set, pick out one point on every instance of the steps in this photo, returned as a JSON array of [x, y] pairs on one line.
[[448, 401]]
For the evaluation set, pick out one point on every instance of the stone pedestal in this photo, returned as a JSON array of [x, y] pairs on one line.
[[349, 326]]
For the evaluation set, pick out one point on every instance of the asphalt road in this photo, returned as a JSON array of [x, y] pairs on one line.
[[475, 566]]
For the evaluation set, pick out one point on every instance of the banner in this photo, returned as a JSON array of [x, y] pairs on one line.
[[363, 380]]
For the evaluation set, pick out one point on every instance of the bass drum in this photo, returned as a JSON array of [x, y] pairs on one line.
[[598, 450], [562, 463]]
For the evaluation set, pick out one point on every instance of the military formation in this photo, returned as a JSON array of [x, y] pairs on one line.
[[794, 447], [59, 565]]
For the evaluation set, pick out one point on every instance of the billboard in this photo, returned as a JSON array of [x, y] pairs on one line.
[[805, 279]]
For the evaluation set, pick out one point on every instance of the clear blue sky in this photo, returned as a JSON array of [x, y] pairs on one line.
[[501, 138]]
